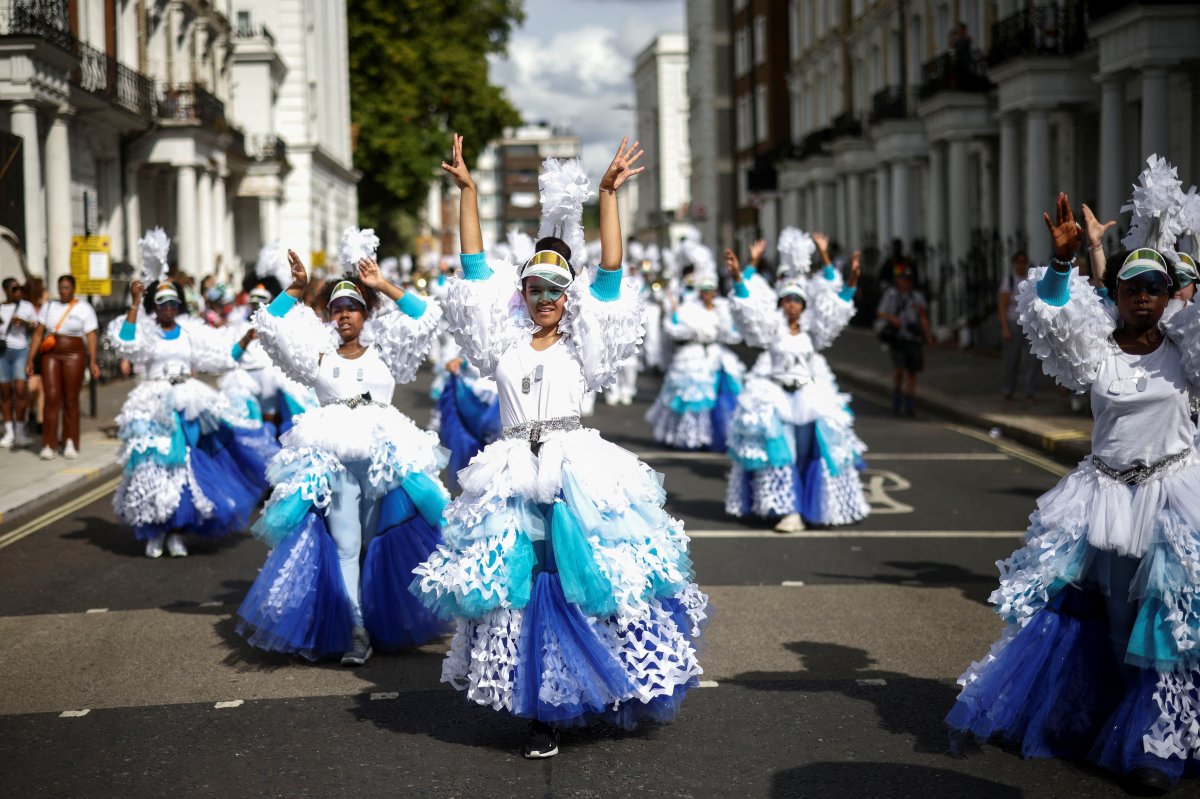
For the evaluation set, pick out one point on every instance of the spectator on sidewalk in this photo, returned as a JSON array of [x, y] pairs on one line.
[[68, 326], [896, 260], [17, 320], [35, 293], [906, 331], [1016, 360]]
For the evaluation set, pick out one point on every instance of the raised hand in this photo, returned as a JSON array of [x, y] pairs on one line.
[[457, 168], [299, 275], [370, 274], [137, 289], [855, 269], [734, 266], [1065, 232], [756, 251], [621, 169], [822, 242], [1093, 228]]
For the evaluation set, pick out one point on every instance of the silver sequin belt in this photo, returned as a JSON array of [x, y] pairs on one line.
[[174, 379], [362, 400], [534, 432], [1140, 472]]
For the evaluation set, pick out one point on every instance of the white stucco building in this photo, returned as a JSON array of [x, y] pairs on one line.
[[661, 106]]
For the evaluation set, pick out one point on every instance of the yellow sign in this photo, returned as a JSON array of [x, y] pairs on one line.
[[318, 258], [91, 264]]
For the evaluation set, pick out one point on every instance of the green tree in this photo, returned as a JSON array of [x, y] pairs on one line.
[[418, 71]]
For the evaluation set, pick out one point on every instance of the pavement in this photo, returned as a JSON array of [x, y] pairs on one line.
[[829, 664]]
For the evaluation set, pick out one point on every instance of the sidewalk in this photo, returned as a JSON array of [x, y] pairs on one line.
[[29, 485], [965, 386]]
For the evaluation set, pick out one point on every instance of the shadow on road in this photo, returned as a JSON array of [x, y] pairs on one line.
[[905, 705], [884, 781], [929, 574], [117, 539]]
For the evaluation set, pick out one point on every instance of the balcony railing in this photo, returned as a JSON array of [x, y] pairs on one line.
[[262, 147], [1048, 30], [46, 19], [254, 32], [953, 72], [888, 103], [190, 102], [105, 77], [816, 143], [846, 125], [1097, 9]]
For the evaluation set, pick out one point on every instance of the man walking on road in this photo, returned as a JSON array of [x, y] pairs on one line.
[[906, 331]]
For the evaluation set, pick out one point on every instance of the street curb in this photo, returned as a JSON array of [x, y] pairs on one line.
[[35, 507], [1068, 451]]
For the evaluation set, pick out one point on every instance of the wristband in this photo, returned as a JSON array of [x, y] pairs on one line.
[[1093, 247], [1068, 263]]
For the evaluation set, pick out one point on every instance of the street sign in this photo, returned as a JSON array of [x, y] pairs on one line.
[[91, 264]]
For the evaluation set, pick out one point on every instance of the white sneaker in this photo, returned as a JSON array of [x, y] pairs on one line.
[[175, 546], [69, 451], [8, 439], [47, 454], [22, 437], [154, 547], [792, 523]]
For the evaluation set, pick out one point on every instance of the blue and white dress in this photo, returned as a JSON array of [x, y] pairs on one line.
[[792, 439], [194, 462], [1100, 656], [570, 585], [699, 393], [356, 502], [262, 387]]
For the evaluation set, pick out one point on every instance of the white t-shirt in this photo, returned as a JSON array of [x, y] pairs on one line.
[[79, 322], [17, 337], [556, 391]]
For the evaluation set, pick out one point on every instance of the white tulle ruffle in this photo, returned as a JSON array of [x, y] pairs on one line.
[[1071, 340], [295, 341], [380, 434]]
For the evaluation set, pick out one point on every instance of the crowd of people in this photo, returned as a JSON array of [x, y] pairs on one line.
[[546, 550]]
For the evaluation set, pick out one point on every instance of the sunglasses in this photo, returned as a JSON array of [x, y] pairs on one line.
[[539, 294], [1152, 286], [344, 304], [169, 304]]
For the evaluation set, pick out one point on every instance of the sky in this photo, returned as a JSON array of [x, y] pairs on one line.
[[572, 64]]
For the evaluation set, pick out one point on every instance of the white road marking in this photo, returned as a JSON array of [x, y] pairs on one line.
[[233, 703], [62, 511], [97, 610], [871, 457], [875, 682], [211, 604], [74, 714], [673, 455], [793, 583], [1025, 454], [375, 697], [856, 534], [877, 483], [708, 683]]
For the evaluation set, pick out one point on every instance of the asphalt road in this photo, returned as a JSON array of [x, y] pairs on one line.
[[829, 665]]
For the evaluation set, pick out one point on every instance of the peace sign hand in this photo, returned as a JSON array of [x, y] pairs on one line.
[[1065, 232], [457, 168], [621, 169]]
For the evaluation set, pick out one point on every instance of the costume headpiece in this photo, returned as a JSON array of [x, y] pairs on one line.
[[154, 246], [1155, 206], [356, 245], [564, 189], [796, 250], [1144, 260], [272, 262], [1186, 270], [794, 290], [260, 294]]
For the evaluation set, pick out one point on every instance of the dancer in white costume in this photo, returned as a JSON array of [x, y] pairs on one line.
[[356, 501], [795, 455], [1100, 658], [699, 393], [570, 584]]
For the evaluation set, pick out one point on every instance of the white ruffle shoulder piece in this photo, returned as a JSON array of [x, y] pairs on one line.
[[757, 317], [141, 348], [295, 341], [694, 322], [402, 341], [212, 347], [1183, 327], [827, 313], [603, 334], [486, 316], [1071, 340]]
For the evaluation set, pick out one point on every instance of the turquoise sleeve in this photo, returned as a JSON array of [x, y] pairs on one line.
[[749, 272], [847, 293], [829, 272], [606, 287], [238, 352], [739, 289], [281, 305], [128, 331], [475, 265], [412, 305], [1055, 287]]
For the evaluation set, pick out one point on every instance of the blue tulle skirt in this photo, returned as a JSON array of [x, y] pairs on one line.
[[219, 477], [467, 425], [727, 399]]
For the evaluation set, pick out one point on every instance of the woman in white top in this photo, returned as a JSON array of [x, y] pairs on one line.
[[17, 319], [356, 502], [1101, 654], [571, 586], [71, 324]]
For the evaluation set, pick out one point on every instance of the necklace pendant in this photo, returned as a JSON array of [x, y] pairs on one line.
[[1115, 386], [525, 384], [1141, 383]]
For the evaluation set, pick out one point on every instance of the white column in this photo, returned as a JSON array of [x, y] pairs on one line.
[[854, 212], [1038, 192], [958, 233], [1112, 147], [205, 226], [186, 227], [220, 241], [987, 186], [268, 218], [883, 208], [901, 203], [935, 202], [113, 204], [25, 125], [58, 198], [1010, 184], [133, 214], [840, 215], [822, 206], [1156, 120]]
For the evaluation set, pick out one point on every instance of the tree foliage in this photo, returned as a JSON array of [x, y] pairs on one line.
[[418, 71]]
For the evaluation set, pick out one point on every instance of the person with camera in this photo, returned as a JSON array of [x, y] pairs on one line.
[[905, 319]]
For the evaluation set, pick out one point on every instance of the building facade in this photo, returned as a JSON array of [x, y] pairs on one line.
[[121, 115], [661, 108], [710, 118]]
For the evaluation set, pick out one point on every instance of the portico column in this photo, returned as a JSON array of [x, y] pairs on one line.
[[186, 229], [58, 198], [1112, 146], [883, 208], [1156, 132], [268, 219], [935, 202], [959, 233], [1010, 184], [205, 224], [25, 125], [133, 213], [854, 212], [1038, 197], [901, 203], [220, 242]]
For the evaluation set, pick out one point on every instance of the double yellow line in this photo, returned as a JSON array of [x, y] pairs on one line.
[[62, 511]]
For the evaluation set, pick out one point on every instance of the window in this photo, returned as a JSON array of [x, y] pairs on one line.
[[244, 28], [760, 113], [760, 40], [793, 30], [740, 64]]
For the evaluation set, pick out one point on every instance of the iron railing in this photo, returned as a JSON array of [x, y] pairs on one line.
[[1048, 30], [951, 72], [46, 19], [846, 125], [106, 77], [191, 102], [266, 147], [888, 103], [1097, 9]]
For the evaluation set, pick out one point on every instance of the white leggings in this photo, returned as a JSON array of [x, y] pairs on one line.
[[352, 520]]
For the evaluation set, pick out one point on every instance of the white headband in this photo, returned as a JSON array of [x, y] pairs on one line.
[[165, 293], [794, 290], [347, 289]]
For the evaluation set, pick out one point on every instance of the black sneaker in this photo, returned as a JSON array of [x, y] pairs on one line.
[[360, 651], [541, 742], [1147, 781]]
